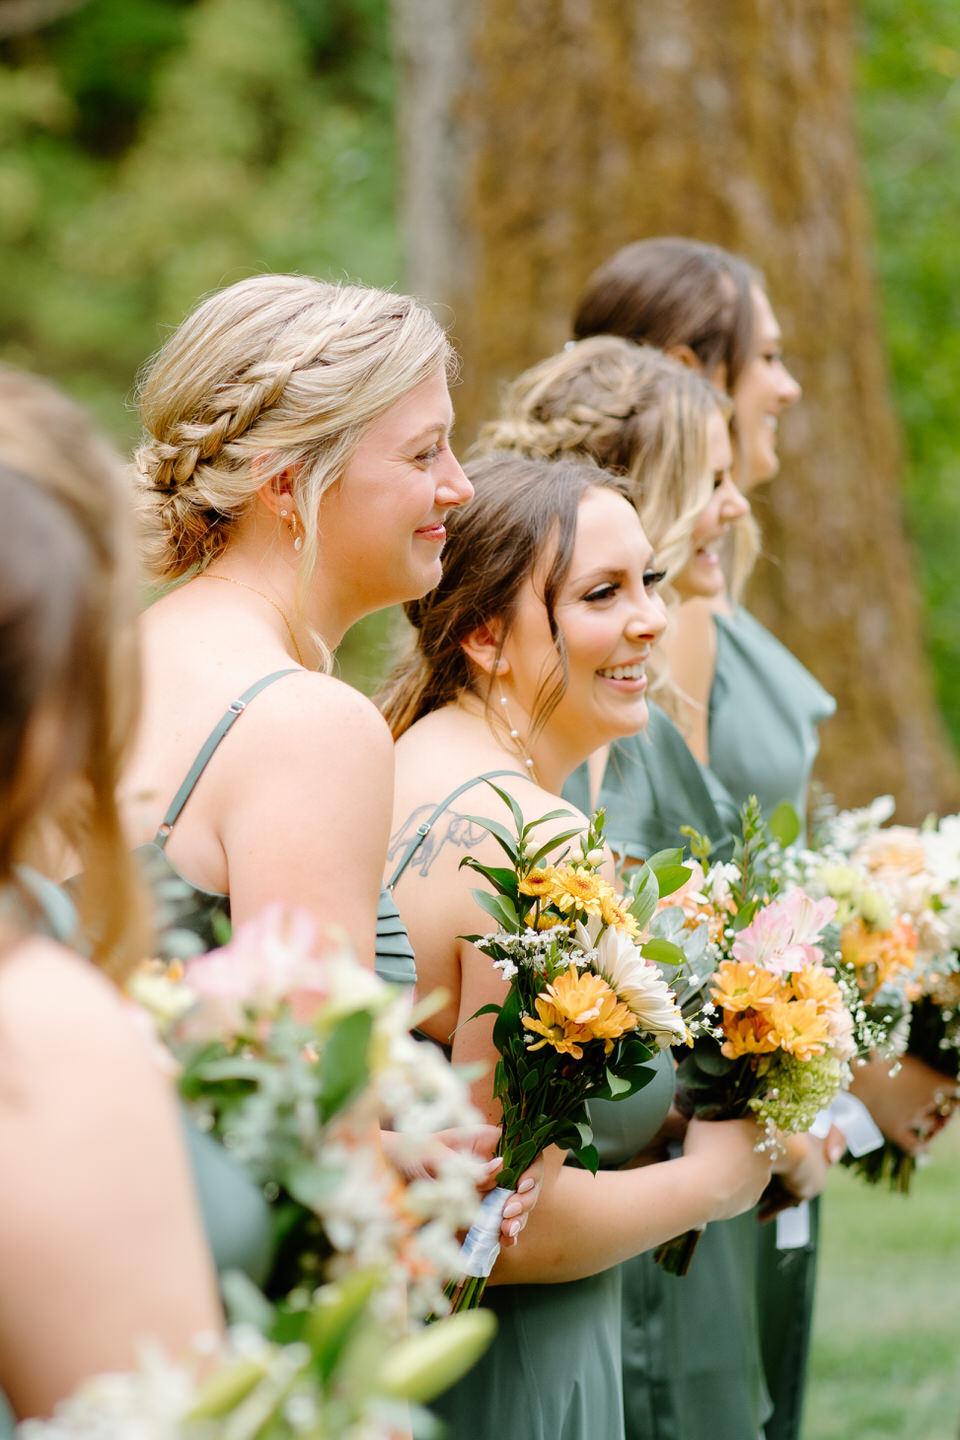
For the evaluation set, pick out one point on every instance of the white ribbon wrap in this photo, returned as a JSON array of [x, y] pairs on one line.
[[853, 1120], [480, 1249]]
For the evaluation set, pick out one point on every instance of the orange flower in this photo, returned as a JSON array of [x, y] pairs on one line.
[[614, 911], [576, 886], [813, 983], [800, 1029], [538, 883], [878, 955], [897, 849], [738, 986], [748, 1034], [576, 1008]]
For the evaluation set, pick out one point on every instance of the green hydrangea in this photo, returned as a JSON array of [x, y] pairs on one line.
[[797, 1091]]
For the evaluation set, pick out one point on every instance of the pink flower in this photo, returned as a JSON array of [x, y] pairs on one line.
[[781, 936], [270, 961]]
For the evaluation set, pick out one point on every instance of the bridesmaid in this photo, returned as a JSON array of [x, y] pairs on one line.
[[549, 590], [665, 426], [295, 475], [635, 411], [101, 1243], [750, 708]]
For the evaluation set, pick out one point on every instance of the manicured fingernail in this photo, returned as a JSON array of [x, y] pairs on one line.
[[513, 1229], [514, 1208], [525, 1187], [495, 1164]]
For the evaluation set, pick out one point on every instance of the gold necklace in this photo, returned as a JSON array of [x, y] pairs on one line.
[[244, 586]]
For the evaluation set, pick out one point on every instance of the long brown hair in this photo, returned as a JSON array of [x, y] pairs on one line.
[[68, 655], [523, 515], [671, 291]]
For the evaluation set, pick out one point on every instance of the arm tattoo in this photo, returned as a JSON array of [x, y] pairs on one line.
[[449, 828]]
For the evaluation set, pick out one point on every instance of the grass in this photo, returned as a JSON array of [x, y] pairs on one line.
[[887, 1321]]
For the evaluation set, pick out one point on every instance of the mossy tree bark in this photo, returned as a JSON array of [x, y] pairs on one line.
[[540, 135]]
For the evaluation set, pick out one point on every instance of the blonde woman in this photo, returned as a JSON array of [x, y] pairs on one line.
[[531, 654], [295, 475], [101, 1243]]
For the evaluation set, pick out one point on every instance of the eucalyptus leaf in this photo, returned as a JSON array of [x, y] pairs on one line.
[[784, 824], [671, 878], [662, 952]]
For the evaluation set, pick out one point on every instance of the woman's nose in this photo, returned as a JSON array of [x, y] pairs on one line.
[[453, 487]]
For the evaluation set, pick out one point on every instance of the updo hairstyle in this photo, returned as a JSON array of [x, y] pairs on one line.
[[521, 521], [278, 368], [632, 410], [670, 291]]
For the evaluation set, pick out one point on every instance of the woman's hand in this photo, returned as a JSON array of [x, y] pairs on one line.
[[912, 1105], [735, 1173], [479, 1140], [800, 1170], [483, 1141]]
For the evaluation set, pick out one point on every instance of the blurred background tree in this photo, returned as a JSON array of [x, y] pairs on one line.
[[153, 151]]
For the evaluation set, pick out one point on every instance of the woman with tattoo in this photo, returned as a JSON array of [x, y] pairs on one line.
[[530, 655]]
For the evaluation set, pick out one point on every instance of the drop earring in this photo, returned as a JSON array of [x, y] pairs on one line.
[[297, 539]]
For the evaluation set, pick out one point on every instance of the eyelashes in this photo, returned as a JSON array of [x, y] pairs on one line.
[[653, 578]]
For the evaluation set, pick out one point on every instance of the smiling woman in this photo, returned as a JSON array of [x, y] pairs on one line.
[[296, 453], [531, 653]]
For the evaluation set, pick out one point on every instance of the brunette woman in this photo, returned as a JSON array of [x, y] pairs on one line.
[[750, 709], [530, 654], [100, 1232]]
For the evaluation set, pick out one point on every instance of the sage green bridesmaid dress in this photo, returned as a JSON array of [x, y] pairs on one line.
[[765, 708], [553, 1371], [692, 1368]]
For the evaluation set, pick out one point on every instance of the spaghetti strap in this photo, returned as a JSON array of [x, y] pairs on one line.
[[233, 713], [422, 831]]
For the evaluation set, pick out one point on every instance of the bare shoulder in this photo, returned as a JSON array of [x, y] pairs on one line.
[[60, 1016], [309, 704]]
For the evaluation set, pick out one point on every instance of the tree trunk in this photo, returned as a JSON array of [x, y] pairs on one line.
[[540, 135]]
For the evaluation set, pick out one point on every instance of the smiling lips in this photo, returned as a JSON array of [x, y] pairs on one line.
[[437, 532], [624, 672]]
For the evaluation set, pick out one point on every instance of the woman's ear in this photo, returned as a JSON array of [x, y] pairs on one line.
[[275, 493], [685, 356], [482, 646]]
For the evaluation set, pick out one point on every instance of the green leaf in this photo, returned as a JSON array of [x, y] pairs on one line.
[[503, 880], [554, 844], [509, 801], [663, 952], [343, 1064], [745, 915], [616, 1084], [664, 857], [428, 1362], [671, 877], [499, 832], [337, 1310], [501, 907], [589, 1158], [784, 824]]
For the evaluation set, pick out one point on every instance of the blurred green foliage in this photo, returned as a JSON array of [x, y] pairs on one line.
[[150, 152], [909, 115]]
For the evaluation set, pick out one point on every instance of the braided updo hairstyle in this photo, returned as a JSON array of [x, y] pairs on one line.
[[280, 368], [632, 410]]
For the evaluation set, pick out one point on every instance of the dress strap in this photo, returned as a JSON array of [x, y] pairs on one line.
[[233, 713], [422, 831]]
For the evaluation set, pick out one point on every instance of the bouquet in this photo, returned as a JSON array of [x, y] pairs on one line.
[[898, 894], [249, 1386], [292, 1055], [585, 1006], [775, 1035]]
